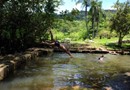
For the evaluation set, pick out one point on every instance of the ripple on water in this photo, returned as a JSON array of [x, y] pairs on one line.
[[81, 72]]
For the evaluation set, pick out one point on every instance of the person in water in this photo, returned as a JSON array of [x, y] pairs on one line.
[[100, 59], [57, 44]]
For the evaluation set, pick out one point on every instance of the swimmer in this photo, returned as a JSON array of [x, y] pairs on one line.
[[100, 59]]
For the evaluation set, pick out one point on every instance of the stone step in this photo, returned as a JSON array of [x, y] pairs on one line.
[[10, 63]]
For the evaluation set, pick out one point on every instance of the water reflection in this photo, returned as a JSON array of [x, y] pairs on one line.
[[60, 72]]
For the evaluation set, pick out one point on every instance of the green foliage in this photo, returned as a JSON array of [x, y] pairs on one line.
[[58, 35], [67, 29], [23, 22], [95, 15], [15, 24], [66, 15], [120, 22]]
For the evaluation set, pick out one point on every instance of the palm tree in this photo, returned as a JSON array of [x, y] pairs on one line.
[[117, 5], [95, 13], [86, 4]]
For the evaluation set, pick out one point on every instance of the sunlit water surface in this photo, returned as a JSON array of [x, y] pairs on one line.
[[83, 72]]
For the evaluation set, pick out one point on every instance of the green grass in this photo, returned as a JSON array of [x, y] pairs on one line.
[[105, 43]]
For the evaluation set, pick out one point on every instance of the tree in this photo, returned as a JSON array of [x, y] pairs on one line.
[[95, 13], [66, 15], [86, 4], [24, 21], [120, 23]]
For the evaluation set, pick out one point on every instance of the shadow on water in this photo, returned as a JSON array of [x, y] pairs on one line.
[[83, 72]]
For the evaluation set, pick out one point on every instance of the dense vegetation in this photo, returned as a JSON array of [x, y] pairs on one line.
[[25, 22], [22, 22], [100, 23]]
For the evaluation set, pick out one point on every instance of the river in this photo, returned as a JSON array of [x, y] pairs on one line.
[[83, 72]]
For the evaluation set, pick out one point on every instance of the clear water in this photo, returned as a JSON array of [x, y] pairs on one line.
[[83, 72]]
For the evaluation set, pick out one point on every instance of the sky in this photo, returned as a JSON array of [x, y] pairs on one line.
[[70, 4]]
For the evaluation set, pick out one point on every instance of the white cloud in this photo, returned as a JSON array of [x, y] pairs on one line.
[[78, 6]]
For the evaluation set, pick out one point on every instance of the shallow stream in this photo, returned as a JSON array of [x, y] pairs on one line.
[[83, 72]]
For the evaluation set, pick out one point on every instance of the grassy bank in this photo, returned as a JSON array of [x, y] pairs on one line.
[[105, 43]]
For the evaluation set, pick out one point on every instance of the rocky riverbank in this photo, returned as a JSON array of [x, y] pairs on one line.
[[10, 63], [85, 48]]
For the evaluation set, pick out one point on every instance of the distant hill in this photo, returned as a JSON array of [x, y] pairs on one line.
[[81, 15], [110, 10]]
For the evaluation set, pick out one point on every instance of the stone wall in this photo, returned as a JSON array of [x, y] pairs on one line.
[[10, 63]]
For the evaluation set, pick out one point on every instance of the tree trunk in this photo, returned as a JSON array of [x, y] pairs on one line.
[[93, 20], [86, 20], [120, 40], [96, 33]]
